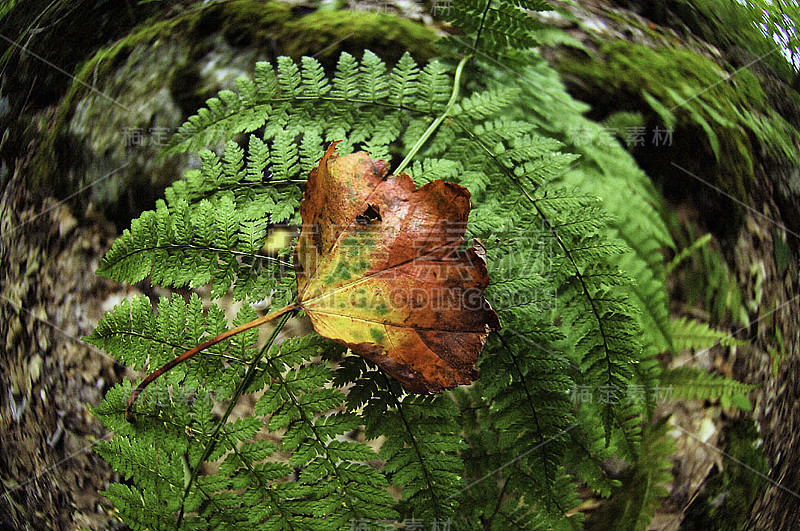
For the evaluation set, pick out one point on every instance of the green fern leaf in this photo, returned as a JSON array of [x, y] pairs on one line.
[[694, 384], [690, 334]]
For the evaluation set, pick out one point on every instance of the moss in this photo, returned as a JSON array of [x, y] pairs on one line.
[[353, 31], [248, 23], [261, 24], [631, 68], [749, 88]]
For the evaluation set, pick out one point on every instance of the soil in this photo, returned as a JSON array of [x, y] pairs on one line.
[[49, 378]]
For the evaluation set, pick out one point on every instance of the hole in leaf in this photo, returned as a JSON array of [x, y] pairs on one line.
[[370, 214]]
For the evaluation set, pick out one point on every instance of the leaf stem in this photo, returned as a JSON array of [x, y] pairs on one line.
[[436, 123], [211, 342], [285, 313]]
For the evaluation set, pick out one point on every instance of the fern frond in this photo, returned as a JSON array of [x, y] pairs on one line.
[[295, 402], [591, 290], [296, 98], [692, 334], [136, 335], [634, 503], [315, 81], [497, 24], [694, 384], [187, 244], [421, 440], [573, 247], [434, 88], [403, 84], [141, 509], [421, 454], [374, 83]]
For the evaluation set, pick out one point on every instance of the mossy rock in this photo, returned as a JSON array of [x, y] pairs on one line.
[[131, 95], [354, 31]]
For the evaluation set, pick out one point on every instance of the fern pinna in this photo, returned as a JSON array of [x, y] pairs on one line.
[[332, 442]]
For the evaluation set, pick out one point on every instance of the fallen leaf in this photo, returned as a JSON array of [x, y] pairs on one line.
[[382, 268]]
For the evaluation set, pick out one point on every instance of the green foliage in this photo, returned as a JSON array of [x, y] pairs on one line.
[[694, 384], [703, 272], [690, 334], [497, 25], [777, 354], [361, 104], [212, 226], [634, 503], [687, 252], [686, 90], [573, 246], [753, 25]]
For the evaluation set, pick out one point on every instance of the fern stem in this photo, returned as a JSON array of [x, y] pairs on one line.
[[687, 252], [417, 450], [285, 313], [532, 405], [481, 25], [436, 123], [211, 342], [341, 487], [195, 247]]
